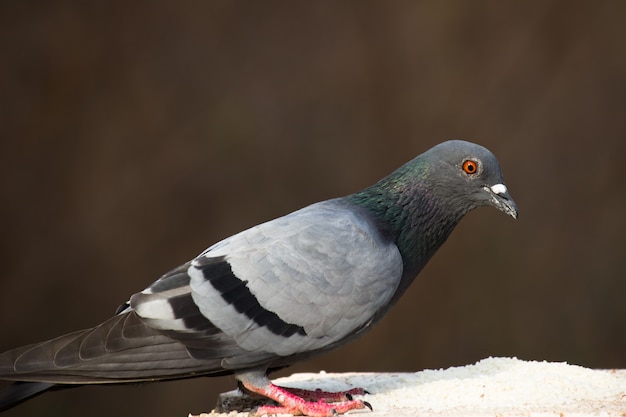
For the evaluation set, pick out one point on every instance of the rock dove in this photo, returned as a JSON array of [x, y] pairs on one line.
[[276, 293]]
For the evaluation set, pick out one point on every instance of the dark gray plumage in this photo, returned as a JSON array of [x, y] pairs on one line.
[[278, 292]]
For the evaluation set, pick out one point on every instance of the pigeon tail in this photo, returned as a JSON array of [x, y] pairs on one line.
[[122, 349], [18, 392]]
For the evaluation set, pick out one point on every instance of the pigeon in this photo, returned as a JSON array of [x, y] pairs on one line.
[[277, 293]]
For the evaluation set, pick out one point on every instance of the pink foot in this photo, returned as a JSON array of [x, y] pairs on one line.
[[311, 409], [326, 396], [294, 401]]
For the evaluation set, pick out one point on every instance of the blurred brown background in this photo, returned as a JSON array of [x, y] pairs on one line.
[[135, 134]]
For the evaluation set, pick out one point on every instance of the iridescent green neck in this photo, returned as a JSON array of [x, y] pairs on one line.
[[407, 211]]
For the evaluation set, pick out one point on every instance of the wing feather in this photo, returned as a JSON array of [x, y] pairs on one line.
[[324, 271]]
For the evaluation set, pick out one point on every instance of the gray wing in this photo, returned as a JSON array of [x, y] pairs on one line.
[[298, 283]]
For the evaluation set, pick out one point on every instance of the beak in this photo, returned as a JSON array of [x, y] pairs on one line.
[[501, 199]]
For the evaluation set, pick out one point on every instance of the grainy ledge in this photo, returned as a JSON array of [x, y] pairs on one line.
[[491, 387]]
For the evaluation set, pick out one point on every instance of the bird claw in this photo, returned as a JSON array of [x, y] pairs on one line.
[[315, 403], [312, 409], [326, 396]]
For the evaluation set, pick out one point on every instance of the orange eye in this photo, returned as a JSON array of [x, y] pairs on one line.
[[470, 167]]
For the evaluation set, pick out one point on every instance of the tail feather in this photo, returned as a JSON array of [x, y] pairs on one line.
[[122, 349], [18, 392]]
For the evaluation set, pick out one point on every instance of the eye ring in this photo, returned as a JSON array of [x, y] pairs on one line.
[[470, 167]]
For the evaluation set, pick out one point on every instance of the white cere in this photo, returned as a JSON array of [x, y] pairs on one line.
[[499, 189]]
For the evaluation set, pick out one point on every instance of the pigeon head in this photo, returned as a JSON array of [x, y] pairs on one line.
[[464, 176], [418, 205]]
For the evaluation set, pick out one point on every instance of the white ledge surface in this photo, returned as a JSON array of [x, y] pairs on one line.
[[491, 387]]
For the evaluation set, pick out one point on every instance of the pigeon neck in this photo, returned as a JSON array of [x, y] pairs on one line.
[[411, 216]]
